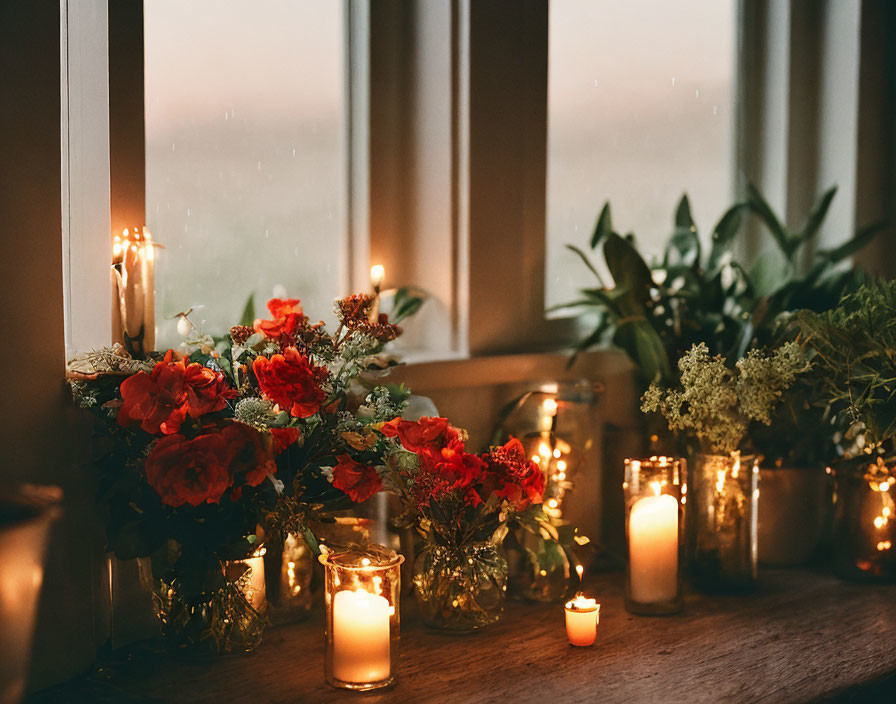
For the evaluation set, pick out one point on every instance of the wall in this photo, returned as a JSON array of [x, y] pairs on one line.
[[33, 419]]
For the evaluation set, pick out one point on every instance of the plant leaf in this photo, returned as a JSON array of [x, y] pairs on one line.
[[629, 270], [724, 232], [861, 240], [817, 215], [603, 227], [643, 344], [584, 258], [758, 205], [248, 316], [770, 272]]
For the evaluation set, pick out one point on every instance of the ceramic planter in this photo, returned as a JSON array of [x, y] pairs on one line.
[[793, 508]]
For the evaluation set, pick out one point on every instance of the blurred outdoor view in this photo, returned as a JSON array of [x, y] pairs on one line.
[[245, 155], [640, 109]]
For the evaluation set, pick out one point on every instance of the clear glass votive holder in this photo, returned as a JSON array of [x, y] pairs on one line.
[[655, 494], [362, 591]]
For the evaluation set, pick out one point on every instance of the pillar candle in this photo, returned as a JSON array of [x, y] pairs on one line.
[[653, 549], [256, 593], [360, 637]]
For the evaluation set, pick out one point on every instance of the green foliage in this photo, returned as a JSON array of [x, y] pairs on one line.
[[854, 346], [407, 302], [248, 315], [716, 404], [697, 295]]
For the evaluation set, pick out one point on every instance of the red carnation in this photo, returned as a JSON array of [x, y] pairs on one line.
[[513, 476], [360, 482], [284, 437], [251, 456], [207, 390], [291, 381], [189, 471], [424, 434], [288, 319], [160, 400]]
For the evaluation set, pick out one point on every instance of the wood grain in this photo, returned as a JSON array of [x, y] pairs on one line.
[[804, 636]]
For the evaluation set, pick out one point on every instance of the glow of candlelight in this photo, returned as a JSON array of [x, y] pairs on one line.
[[377, 274]]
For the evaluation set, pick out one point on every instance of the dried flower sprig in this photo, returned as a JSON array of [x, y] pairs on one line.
[[715, 403]]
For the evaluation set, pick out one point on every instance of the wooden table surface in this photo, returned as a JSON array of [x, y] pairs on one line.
[[803, 636]]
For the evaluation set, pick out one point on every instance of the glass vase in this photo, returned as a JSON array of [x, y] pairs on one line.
[[289, 573], [228, 619], [363, 589], [460, 588], [555, 423], [654, 520], [865, 519], [539, 568], [722, 519]]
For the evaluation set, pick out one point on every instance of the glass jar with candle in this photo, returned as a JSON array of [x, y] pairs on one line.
[[864, 546], [460, 587], [362, 600], [555, 423], [289, 571], [723, 505], [654, 490]]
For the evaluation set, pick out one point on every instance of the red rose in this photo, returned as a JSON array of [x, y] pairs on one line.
[[284, 437], [291, 381], [161, 400], [424, 434], [189, 471], [251, 457], [288, 318], [360, 482], [513, 476]]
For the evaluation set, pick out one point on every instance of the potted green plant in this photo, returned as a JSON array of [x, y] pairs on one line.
[[695, 293], [715, 405], [854, 348]]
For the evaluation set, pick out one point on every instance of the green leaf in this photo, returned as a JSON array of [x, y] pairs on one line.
[[406, 303], [847, 249], [724, 232], [629, 270], [643, 344], [603, 227], [770, 272], [817, 215], [758, 205], [683, 214], [248, 316], [584, 258]]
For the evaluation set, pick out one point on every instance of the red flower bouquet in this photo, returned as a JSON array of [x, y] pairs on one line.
[[204, 455]]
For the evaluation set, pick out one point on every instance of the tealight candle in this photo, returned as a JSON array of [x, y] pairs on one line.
[[362, 595], [582, 617]]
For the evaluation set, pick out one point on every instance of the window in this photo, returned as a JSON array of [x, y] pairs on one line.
[[245, 155], [640, 108]]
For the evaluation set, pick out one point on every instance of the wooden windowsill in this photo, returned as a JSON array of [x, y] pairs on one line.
[[803, 636]]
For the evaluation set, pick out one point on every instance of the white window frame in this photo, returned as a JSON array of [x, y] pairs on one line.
[[447, 103]]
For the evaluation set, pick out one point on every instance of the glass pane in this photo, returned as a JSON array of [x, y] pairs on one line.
[[245, 155], [641, 110]]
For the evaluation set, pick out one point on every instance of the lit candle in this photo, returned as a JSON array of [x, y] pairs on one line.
[[582, 617], [255, 591], [653, 548], [133, 294], [360, 637], [377, 274]]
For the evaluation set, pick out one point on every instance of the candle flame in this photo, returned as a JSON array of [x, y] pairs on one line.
[[580, 570], [657, 488], [549, 405], [377, 274]]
